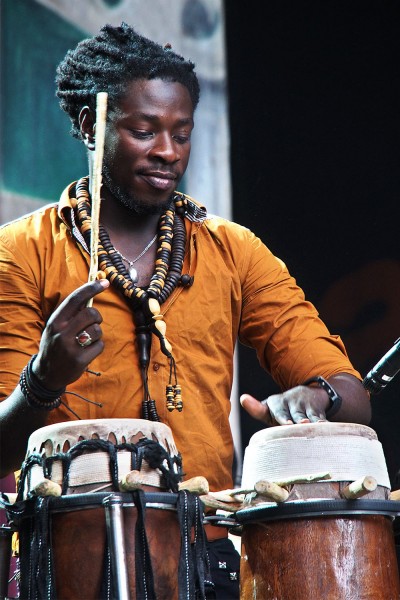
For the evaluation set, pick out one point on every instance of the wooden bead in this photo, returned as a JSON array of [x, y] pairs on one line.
[[161, 327], [154, 306]]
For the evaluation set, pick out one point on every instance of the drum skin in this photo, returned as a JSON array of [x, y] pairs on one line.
[[330, 558], [79, 542]]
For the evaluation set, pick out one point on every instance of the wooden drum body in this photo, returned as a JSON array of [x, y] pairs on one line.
[[94, 539], [317, 544], [77, 540]]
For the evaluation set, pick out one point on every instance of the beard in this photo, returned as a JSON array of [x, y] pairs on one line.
[[131, 202]]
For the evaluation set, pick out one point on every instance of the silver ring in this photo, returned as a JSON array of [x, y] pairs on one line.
[[84, 339]]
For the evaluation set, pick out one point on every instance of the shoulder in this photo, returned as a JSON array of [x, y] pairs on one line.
[[29, 219], [219, 227], [36, 225]]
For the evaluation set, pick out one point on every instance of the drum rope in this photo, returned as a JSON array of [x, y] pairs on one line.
[[152, 452], [143, 566], [193, 570], [107, 574], [40, 580]]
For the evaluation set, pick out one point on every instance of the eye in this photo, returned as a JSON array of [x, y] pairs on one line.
[[182, 138], [141, 134]]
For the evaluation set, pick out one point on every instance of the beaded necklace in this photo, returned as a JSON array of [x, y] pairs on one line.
[[145, 303]]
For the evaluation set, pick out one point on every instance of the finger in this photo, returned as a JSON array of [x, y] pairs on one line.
[[85, 355], [255, 408], [87, 318], [89, 335], [282, 417], [299, 416], [316, 417], [74, 303]]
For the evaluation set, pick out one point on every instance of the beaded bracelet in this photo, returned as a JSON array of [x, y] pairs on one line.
[[36, 395], [336, 400]]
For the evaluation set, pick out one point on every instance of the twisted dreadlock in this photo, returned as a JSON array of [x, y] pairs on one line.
[[109, 62]]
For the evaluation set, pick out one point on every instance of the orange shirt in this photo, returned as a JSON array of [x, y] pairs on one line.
[[241, 290]]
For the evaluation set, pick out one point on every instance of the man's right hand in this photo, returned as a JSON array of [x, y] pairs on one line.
[[61, 359]]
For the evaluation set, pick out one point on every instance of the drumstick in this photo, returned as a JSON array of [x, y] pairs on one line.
[[101, 111]]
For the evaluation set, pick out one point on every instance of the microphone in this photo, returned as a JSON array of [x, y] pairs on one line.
[[384, 370]]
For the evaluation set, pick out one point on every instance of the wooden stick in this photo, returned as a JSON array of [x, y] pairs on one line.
[[304, 478], [225, 496], [197, 485], [211, 502], [131, 481], [101, 112], [47, 488], [395, 495], [12, 497], [229, 495], [359, 488], [271, 490]]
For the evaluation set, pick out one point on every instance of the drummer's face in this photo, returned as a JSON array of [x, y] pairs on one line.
[[147, 144]]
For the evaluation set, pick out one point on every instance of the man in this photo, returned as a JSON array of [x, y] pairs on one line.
[[184, 286]]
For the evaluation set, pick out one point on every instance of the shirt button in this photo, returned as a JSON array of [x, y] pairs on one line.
[[156, 366]]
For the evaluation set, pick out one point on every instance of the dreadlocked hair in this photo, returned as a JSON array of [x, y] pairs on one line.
[[109, 62]]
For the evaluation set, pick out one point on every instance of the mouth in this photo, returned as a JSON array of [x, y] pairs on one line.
[[161, 180]]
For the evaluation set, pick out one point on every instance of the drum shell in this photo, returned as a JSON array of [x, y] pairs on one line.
[[79, 539], [77, 457], [316, 544], [349, 557]]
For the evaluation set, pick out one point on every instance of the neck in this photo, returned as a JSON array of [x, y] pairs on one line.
[[118, 219]]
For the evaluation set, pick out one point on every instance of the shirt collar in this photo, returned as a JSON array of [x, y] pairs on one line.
[[67, 215], [195, 212]]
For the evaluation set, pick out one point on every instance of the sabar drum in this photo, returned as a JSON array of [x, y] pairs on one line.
[[317, 544], [90, 535]]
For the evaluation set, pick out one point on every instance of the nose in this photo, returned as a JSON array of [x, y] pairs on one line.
[[166, 148]]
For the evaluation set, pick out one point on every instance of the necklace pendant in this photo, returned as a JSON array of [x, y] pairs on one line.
[[133, 274]]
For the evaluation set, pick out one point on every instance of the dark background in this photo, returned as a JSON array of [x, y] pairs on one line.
[[314, 93]]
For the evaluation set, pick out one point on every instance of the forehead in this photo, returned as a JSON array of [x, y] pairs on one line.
[[156, 97]]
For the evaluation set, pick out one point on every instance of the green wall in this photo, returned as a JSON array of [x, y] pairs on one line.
[[39, 155]]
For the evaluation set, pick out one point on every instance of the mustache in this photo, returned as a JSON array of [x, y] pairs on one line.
[[133, 203]]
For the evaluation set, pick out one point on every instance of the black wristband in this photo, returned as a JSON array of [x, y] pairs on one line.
[[336, 400], [36, 395]]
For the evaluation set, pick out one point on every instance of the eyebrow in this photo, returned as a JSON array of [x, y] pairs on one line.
[[153, 118]]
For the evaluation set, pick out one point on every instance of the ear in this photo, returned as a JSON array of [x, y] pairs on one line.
[[87, 123]]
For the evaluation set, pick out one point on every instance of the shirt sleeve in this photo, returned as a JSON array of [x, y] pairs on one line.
[[21, 319], [291, 341]]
